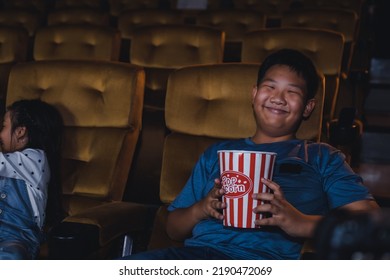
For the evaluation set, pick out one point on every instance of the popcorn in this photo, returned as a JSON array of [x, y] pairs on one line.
[[241, 172]]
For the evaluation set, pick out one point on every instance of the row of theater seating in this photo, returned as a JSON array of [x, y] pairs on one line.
[[102, 102], [245, 38], [115, 7], [64, 41]]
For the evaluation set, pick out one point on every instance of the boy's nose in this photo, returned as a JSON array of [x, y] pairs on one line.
[[278, 98]]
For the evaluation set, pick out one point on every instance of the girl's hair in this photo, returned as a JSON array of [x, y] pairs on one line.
[[297, 62], [44, 127]]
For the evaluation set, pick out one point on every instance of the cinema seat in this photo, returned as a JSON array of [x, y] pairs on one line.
[[77, 41], [13, 49], [101, 105]]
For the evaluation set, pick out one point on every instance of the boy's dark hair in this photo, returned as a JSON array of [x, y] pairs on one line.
[[297, 62], [44, 131]]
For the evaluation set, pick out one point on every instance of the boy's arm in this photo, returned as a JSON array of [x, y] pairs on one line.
[[361, 205], [292, 221], [181, 221]]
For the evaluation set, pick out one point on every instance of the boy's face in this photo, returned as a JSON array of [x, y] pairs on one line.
[[279, 102]]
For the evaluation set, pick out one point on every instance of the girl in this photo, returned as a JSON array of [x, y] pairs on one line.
[[30, 141]]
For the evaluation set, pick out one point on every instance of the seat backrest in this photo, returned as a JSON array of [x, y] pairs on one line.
[[13, 49], [338, 20], [101, 105], [28, 19], [129, 20], [78, 15], [205, 104], [174, 46], [324, 47], [13, 44], [77, 41], [235, 23], [161, 49]]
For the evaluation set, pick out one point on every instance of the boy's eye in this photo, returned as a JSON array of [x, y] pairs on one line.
[[296, 92], [268, 86]]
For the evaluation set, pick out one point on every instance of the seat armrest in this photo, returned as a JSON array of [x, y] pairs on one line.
[[346, 129], [79, 235], [115, 218], [69, 241], [345, 133]]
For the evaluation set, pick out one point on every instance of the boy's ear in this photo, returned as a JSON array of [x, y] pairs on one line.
[[254, 91], [311, 103]]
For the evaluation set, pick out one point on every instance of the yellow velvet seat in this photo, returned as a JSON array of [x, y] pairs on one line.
[[101, 105], [13, 44], [77, 41], [28, 19], [338, 20], [235, 23], [161, 49], [13, 49], [78, 15], [130, 20], [324, 47], [273, 9], [204, 104]]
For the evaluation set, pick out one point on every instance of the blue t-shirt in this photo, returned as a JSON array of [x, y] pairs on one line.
[[314, 178]]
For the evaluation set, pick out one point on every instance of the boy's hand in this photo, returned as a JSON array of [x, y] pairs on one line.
[[212, 205], [284, 215]]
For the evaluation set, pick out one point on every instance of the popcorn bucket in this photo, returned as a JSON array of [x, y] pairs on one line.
[[241, 172]]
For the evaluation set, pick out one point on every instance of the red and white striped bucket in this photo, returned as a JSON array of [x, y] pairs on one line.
[[241, 172]]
